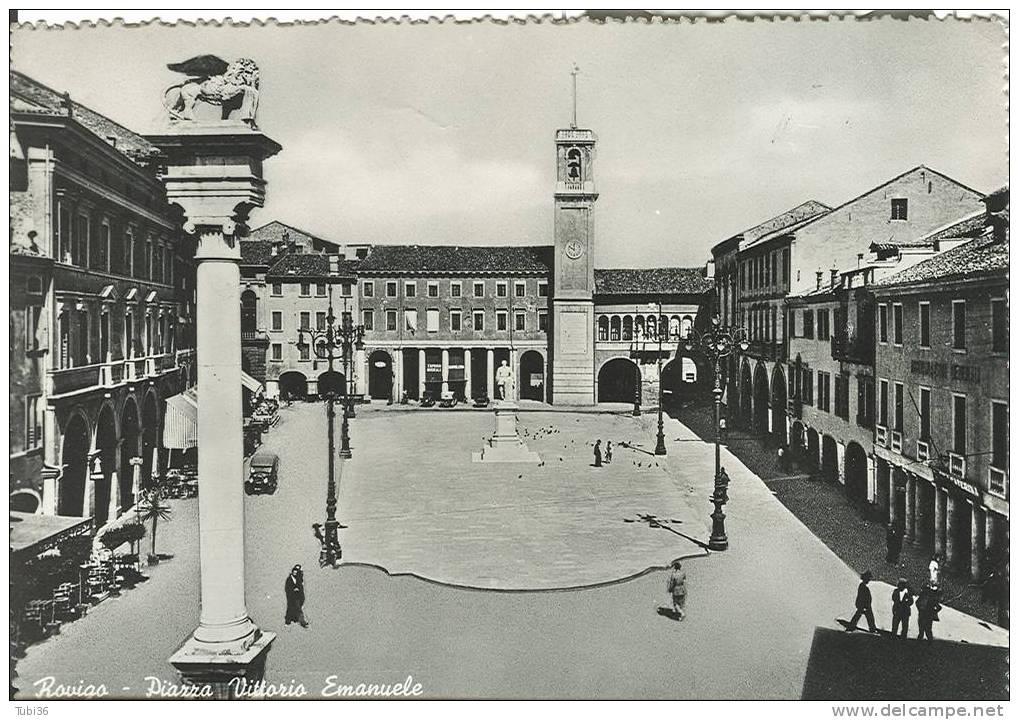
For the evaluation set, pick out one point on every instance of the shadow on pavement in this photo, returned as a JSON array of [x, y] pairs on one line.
[[865, 667]]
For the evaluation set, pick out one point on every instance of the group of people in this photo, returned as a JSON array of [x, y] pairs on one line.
[[926, 601], [600, 459]]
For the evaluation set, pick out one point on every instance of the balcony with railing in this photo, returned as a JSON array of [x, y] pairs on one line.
[[67, 380], [896, 441], [997, 481], [767, 349], [881, 435], [923, 451], [956, 465]]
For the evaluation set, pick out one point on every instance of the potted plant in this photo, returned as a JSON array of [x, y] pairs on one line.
[[152, 508]]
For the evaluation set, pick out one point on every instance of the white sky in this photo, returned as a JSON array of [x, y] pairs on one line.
[[443, 133]]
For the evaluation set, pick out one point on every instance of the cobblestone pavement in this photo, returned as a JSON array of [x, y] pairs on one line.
[[752, 611], [824, 508]]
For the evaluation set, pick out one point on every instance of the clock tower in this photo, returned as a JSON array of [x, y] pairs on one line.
[[573, 304]]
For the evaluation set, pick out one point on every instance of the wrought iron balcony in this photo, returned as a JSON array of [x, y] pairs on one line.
[[956, 465], [881, 436], [67, 380], [997, 481], [923, 451]]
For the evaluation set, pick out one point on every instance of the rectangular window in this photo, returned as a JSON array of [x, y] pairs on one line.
[[792, 323], [924, 402], [479, 289], [823, 391], [882, 323], [959, 424], [277, 289], [368, 320], [520, 288], [455, 318], [958, 324], [774, 268], [900, 209], [808, 324], [520, 321], [368, 289], [479, 320], [898, 407], [433, 289], [823, 326], [410, 289], [33, 313], [864, 402], [432, 320], [743, 276], [320, 321], [346, 289], [785, 265], [410, 321], [391, 289], [305, 289], [542, 321], [883, 404], [500, 319], [277, 351], [305, 321], [897, 323], [454, 289], [500, 289], [33, 422], [320, 289], [999, 325], [925, 324], [305, 351], [999, 435], [391, 320], [542, 288], [277, 320]]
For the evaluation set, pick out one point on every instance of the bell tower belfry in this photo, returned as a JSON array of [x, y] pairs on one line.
[[573, 304]]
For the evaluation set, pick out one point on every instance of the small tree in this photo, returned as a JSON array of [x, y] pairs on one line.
[[152, 508]]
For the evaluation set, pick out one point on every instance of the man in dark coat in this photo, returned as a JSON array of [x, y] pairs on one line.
[[294, 589], [927, 607], [864, 604], [597, 453], [902, 601], [894, 541]]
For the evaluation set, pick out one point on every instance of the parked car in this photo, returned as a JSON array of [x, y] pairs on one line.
[[263, 474]]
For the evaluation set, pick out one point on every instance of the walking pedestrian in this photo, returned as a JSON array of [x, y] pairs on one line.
[[597, 453], [893, 539], [934, 572], [902, 601], [608, 451], [864, 604], [294, 589], [927, 607], [677, 589]]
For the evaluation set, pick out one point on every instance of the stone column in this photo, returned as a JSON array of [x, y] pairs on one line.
[[923, 490], [445, 370], [51, 462], [514, 362], [976, 541], [467, 374], [952, 530], [909, 530], [421, 373], [871, 479], [840, 461], [397, 374], [990, 525], [893, 511], [490, 379], [360, 372], [110, 465], [940, 502]]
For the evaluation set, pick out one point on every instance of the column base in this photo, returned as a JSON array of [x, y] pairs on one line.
[[221, 672]]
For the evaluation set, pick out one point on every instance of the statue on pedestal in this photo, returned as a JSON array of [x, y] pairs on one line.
[[234, 86], [506, 382]]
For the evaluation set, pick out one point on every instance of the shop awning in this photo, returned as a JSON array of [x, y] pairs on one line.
[[32, 533], [180, 426]]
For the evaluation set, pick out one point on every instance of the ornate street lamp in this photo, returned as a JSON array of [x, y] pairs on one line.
[[346, 337], [716, 344]]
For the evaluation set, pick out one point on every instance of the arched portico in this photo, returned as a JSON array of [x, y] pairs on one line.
[[618, 380]]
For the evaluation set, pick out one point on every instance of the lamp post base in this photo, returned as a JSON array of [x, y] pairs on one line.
[[660, 447]]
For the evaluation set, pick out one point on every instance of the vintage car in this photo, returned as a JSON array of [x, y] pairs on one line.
[[263, 474]]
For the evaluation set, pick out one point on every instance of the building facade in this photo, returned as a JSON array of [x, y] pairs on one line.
[[941, 435], [102, 307]]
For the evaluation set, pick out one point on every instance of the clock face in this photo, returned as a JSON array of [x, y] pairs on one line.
[[574, 249]]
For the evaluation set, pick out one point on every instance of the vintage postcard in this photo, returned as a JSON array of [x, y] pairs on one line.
[[608, 355]]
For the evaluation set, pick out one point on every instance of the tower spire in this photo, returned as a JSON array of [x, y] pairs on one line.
[[574, 73]]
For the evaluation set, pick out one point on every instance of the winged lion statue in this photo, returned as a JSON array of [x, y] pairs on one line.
[[233, 86]]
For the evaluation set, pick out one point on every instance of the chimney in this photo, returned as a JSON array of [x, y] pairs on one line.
[[709, 269], [334, 264], [834, 276], [820, 276], [859, 260]]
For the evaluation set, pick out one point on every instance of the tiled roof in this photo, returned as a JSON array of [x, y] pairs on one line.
[[31, 96], [968, 227], [255, 252], [982, 256], [804, 211], [472, 259], [652, 281], [309, 265], [273, 232]]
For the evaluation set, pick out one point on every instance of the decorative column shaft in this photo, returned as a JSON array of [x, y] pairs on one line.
[[940, 500], [421, 373], [445, 370], [952, 555], [467, 374], [910, 530], [490, 373], [976, 541]]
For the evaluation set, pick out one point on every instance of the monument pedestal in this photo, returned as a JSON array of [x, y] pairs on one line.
[[505, 446], [223, 671]]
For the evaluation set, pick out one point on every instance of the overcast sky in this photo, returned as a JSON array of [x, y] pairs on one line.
[[444, 133]]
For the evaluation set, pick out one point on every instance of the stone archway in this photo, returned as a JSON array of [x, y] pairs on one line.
[[380, 375], [761, 394], [293, 385], [856, 473], [532, 376], [130, 435], [332, 381], [778, 407], [618, 381], [150, 439], [106, 444], [74, 459], [813, 449], [829, 459], [25, 500]]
